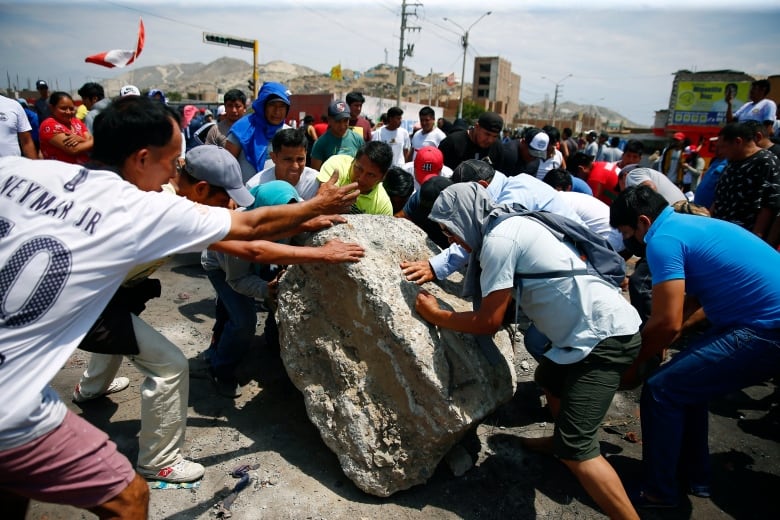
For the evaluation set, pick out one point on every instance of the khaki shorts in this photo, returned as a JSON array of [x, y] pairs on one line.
[[74, 464]]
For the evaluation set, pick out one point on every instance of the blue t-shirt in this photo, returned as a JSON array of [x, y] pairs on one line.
[[580, 186], [705, 192], [733, 273]]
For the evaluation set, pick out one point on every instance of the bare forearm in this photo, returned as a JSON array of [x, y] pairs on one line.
[[270, 222], [656, 337], [764, 222], [467, 322], [283, 254], [27, 146]]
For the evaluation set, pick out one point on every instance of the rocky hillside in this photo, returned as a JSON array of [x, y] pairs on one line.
[[196, 79], [222, 74]]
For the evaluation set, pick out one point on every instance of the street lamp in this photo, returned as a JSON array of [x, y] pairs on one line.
[[555, 98], [465, 42]]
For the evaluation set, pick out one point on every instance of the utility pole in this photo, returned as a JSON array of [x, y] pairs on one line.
[[464, 40], [557, 89], [403, 52]]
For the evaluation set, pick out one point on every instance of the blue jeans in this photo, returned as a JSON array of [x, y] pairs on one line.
[[237, 331], [674, 402]]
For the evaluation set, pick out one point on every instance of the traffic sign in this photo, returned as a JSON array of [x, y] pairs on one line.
[[228, 41]]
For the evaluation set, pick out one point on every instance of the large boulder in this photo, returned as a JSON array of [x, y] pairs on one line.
[[389, 393]]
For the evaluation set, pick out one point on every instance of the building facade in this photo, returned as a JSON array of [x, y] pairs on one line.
[[496, 87]]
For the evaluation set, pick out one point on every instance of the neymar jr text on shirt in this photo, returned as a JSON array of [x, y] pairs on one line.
[[37, 198]]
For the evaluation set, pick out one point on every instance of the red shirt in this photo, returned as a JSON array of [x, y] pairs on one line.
[[602, 180], [320, 128], [362, 127], [51, 127]]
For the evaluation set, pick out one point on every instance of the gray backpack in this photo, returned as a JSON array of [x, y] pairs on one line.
[[600, 258]]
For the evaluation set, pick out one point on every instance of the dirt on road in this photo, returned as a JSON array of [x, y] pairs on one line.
[[298, 477]]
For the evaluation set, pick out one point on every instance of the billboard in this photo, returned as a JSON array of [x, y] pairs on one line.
[[703, 103]]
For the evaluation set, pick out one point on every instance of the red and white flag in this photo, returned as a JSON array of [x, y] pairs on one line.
[[119, 58]]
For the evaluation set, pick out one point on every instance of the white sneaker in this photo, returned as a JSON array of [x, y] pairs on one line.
[[182, 471], [117, 385]]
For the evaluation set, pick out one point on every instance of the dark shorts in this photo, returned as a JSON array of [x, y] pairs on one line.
[[586, 389], [75, 464]]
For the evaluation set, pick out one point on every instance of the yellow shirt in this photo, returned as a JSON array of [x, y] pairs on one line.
[[81, 111], [377, 202]]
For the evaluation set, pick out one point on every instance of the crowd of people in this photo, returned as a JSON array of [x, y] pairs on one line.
[[534, 219]]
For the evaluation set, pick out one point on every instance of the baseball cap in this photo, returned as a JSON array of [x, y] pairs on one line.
[[218, 167], [491, 122], [473, 170], [427, 163], [338, 110], [537, 146], [604, 135], [129, 90], [273, 193], [41, 84], [679, 136], [220, 110], [431, 190]]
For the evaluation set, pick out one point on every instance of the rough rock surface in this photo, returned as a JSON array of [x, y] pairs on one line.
[[390, 394]]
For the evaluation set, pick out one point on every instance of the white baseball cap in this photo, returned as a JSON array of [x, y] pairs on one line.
[[538, 145], [129, 90]]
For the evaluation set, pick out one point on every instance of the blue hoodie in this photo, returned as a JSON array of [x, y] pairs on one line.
[[253, 131]]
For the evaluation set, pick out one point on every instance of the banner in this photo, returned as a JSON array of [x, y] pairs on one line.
[[703, 103]]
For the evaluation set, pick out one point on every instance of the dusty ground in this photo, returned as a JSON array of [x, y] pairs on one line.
[[299, 478]]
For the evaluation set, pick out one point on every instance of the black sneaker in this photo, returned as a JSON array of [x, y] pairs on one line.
[[225, 387]]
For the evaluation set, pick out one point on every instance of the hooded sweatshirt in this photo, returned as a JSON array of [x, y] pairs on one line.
[[253, 131]]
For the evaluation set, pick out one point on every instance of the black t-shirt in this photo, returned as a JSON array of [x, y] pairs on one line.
[[512, 161], [458, 147], [748, 186]]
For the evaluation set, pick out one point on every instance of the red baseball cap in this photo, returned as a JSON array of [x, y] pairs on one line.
[[427, 163], [679, 136]]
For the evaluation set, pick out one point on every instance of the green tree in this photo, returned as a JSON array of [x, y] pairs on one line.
[[472, 111], [174, 96]]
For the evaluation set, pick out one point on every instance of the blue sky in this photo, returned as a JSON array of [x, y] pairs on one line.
[[619, 57]]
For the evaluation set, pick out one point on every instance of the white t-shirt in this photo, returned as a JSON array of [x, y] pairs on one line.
[[398, 140], [575, 312], [666, 188], [595, 215], [549, 164], [432, 138], [307, 185], [13, 121], [764, 110], [67, 246]]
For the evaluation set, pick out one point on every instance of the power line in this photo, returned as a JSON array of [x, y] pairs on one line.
[[155, 15]]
